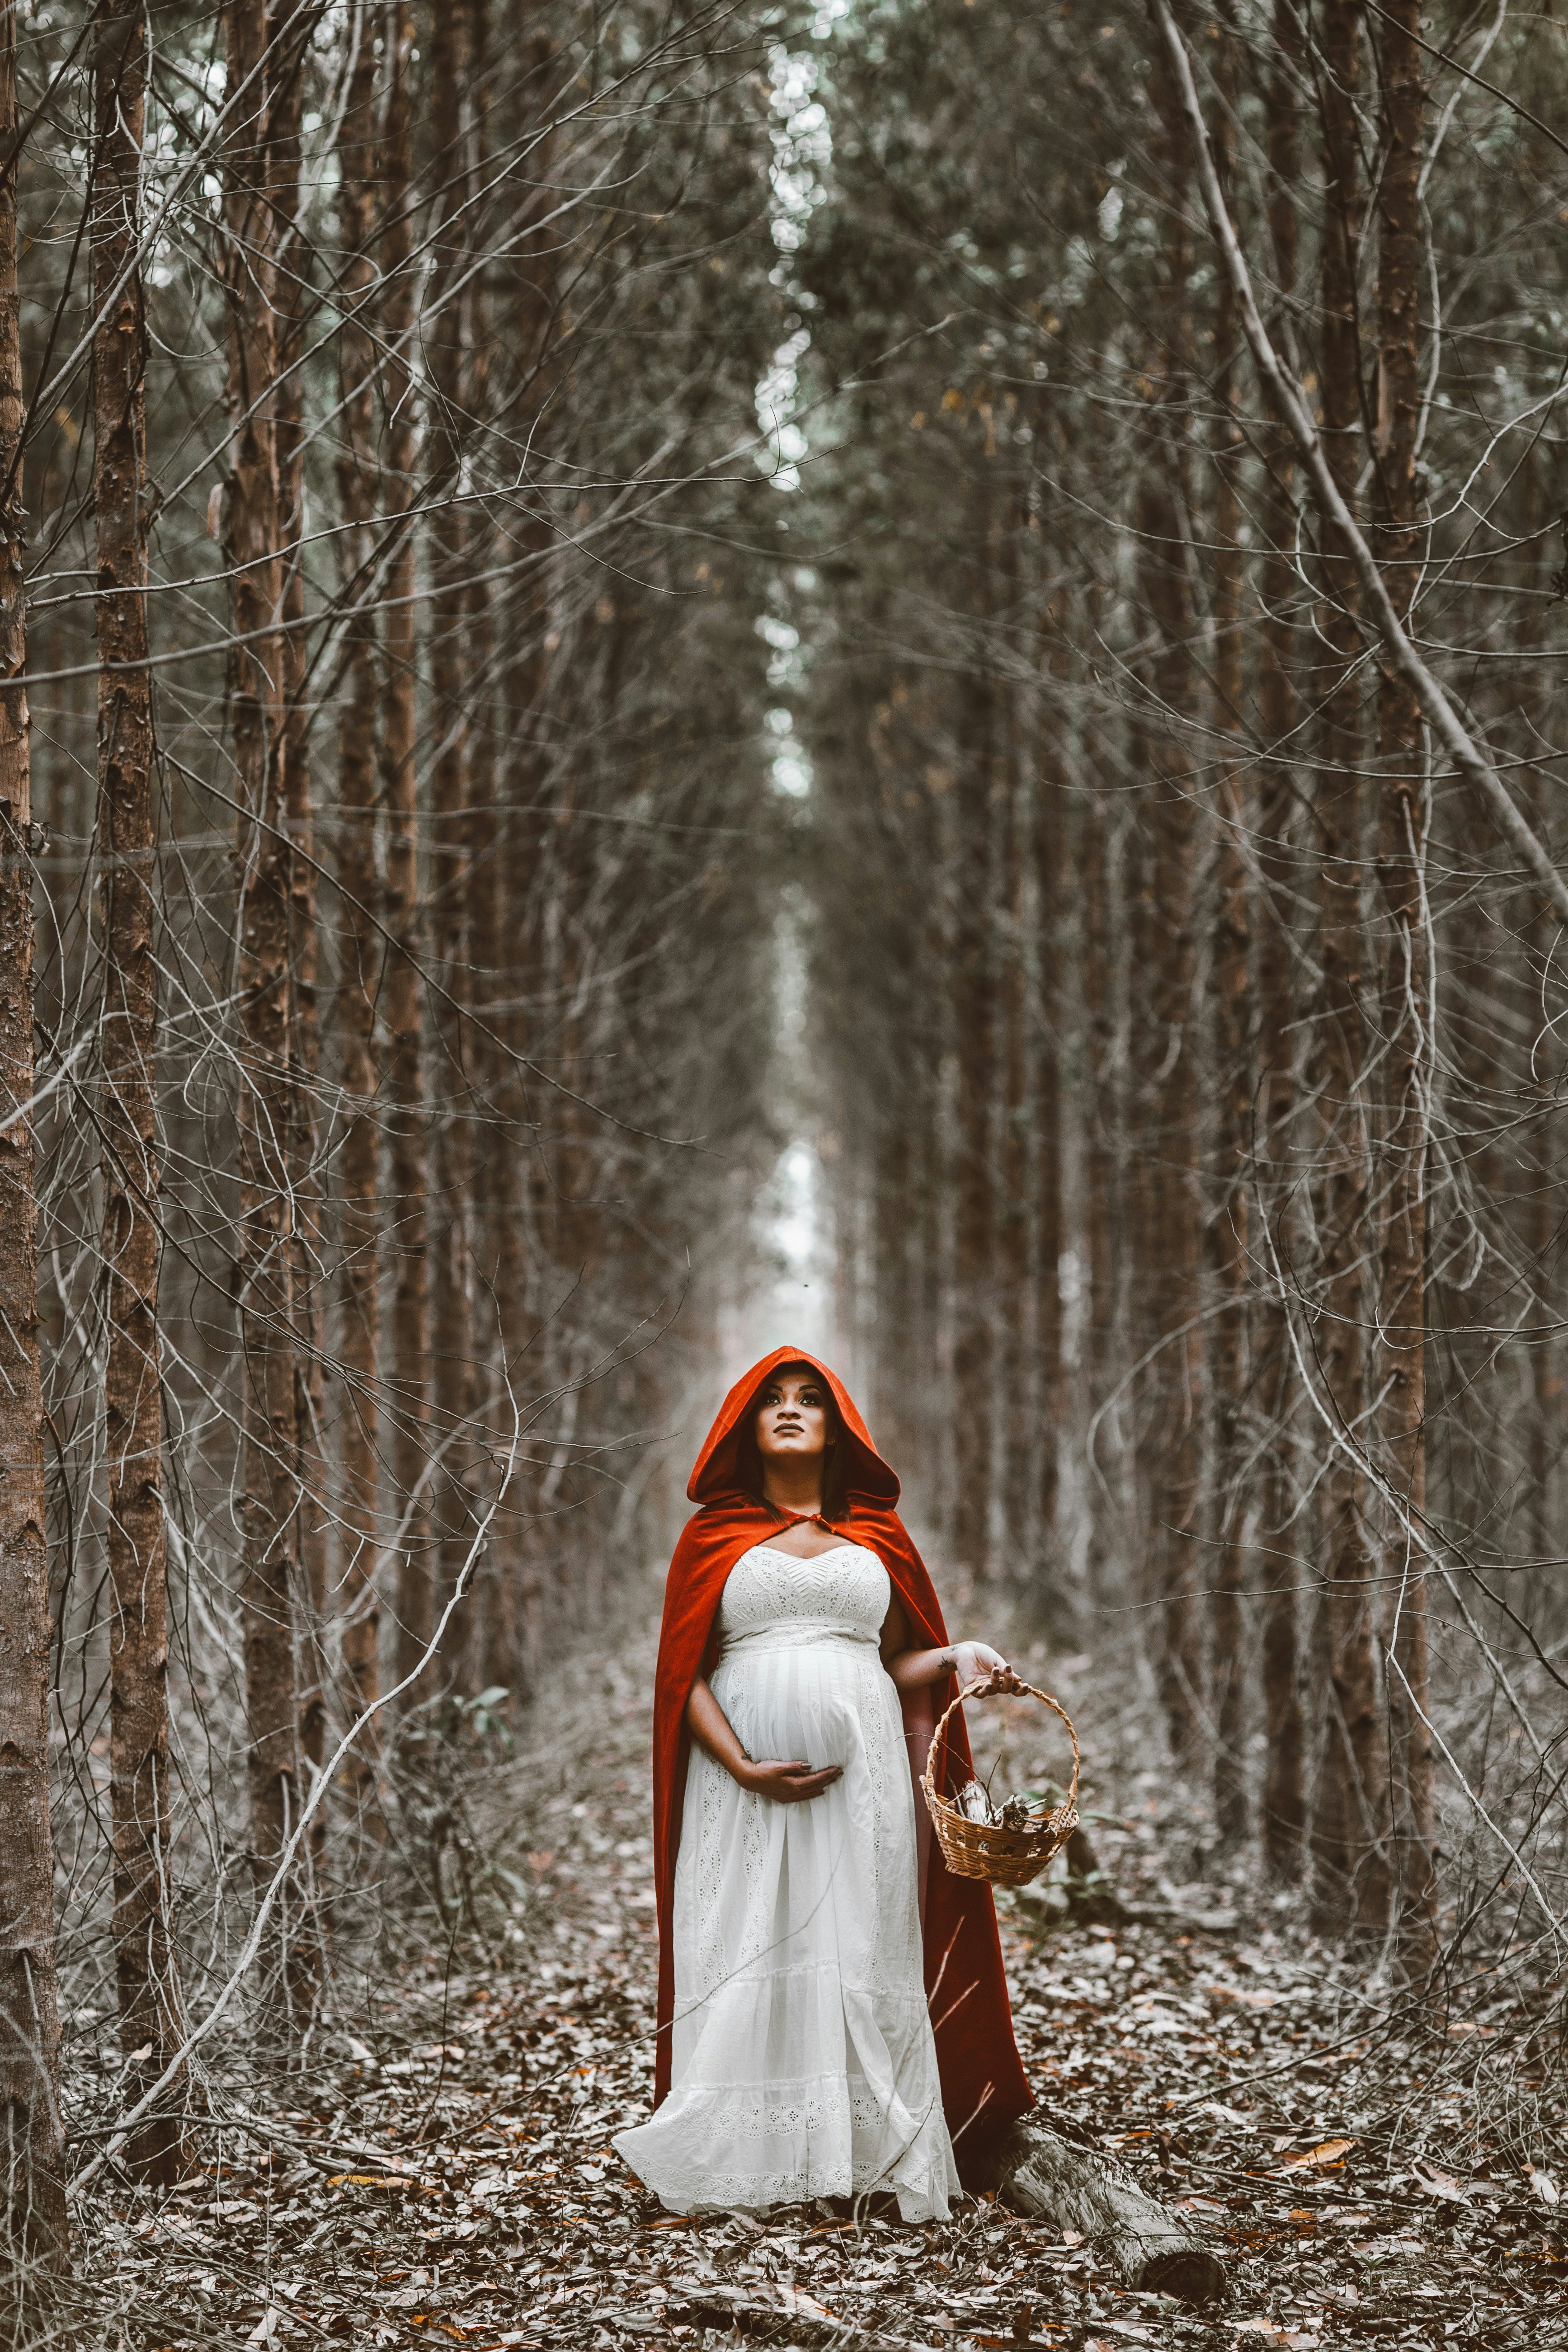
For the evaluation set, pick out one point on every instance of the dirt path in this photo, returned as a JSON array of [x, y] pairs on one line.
[[444, 2174]]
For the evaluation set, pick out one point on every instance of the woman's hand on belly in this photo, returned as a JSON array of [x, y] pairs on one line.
[[787, 1784]]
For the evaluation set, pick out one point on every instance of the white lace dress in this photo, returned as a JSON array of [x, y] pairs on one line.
[[803, 2063]]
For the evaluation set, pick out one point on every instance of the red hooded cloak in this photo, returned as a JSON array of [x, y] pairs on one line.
[[983, 2085]]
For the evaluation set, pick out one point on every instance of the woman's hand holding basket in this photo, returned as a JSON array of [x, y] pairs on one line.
[[977, 1662]]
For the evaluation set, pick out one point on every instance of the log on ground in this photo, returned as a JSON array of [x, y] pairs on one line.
[[1036, 2171]]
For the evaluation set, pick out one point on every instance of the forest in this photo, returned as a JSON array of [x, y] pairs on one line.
[[675, 679]]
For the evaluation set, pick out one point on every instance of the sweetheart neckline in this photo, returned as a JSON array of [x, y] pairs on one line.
[[806, 1558]]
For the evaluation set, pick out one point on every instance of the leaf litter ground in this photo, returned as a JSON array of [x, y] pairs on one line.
[[440, 2170]]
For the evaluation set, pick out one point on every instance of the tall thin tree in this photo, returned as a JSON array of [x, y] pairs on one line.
[[1232, 988], [1351, 1776], [138, 1562], [1284, 1795], [1173, 1243], [291, 24], [446, 318], [31, 2139], [362, 937], [268, 1474], [976, 1043], [1402, 826], [407, 1223]]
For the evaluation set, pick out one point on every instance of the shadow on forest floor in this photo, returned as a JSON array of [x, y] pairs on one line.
[[443, 2174]]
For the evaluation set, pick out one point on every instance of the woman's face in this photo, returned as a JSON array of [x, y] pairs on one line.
[[791, 1421]]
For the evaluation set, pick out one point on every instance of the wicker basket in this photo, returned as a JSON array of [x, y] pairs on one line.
[[984, 1849]]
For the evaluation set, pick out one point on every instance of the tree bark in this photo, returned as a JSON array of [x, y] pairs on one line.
[[1284, 1789], [1174, 1240], [514, 1630], [1103, 1087], [1402, 826], [405, 1223], [1016, 1107], [1351, 1785], [291, 25], [150, 2009], [1036, 2171], [1051, 1335], [31, 2141], [490, 1143], [269, 1513], [451, 862], [1233, 1041], [975, 1021], [361, 950]]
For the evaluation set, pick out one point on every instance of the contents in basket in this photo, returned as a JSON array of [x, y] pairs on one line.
[[974, 1804]]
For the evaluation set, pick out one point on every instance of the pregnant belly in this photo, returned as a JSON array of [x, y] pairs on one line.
[[810, 1703]]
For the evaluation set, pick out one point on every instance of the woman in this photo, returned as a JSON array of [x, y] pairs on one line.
[[832, 2011]]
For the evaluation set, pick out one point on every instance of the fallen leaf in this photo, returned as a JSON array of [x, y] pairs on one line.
[[1327, 2151], [801, 2305], [1439, 2183]]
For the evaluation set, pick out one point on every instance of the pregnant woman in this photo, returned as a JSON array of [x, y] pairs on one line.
[[833, 2016]]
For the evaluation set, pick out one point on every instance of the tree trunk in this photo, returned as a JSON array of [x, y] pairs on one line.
[[362, 949], [444, 311], [1402, 826], [290, 26], [1015, 1123], [405, 1221], [1101, 1088], [1232, 1043], [1347, 1841], [1174, 1240], [513, 1632], [1051, 1519], [1284, 1789], [490, 1142], [974, 1014], [138, 1566], [270, 1513], [33, 2149]]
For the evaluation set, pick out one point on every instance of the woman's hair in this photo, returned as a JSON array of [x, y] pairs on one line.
[[834, 1468]]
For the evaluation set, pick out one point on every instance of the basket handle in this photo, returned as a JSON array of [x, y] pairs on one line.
[[1026, 1690]]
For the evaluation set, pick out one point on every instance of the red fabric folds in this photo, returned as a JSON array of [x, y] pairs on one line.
[[983, 2083]]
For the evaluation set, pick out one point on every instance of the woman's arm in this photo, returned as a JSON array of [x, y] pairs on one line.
[[913, 1669], [787, 1784]]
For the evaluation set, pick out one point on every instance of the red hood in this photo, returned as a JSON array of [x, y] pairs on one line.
[[714, 1473]]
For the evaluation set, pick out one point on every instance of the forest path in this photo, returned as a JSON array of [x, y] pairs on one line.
[[444, 2174]]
